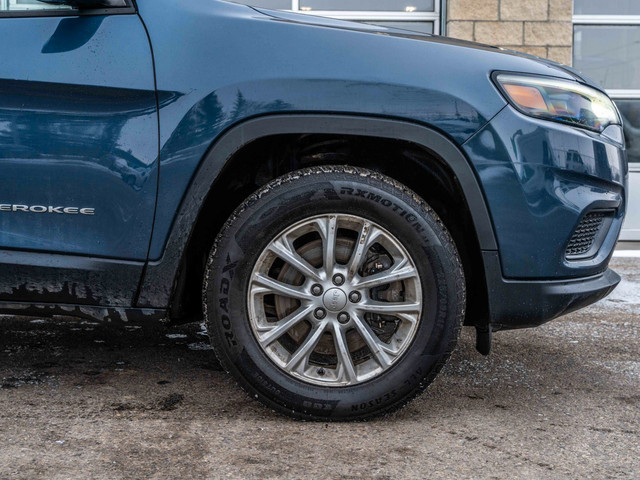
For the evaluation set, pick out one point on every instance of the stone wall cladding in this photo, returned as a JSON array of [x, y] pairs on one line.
[[537, 27]]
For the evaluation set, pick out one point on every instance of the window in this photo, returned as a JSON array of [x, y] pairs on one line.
[[606, 47], [26, 5], [415, 15], [598, 7]]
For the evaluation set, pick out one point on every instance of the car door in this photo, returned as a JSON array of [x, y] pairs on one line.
[[78, 152]]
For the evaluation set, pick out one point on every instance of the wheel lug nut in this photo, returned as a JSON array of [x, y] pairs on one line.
[[343, 318], [316, 290], [338, 279], [355, 297], [320, 313]]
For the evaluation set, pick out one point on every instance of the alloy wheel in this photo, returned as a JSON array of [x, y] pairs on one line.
[[335, 300]]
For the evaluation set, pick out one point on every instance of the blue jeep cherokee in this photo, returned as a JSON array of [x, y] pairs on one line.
[[334, 199]]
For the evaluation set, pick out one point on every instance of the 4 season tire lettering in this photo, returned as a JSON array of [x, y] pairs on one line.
[[372, 403], [317, 405], [415, 377], [267, 384], [223, 302]]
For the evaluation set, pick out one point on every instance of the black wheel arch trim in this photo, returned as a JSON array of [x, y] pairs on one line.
[[157, 286]]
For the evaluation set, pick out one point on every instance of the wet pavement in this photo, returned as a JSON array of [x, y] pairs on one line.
[[85, 400]]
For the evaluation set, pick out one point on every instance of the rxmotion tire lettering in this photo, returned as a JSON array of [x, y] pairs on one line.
[[330, 193], [358, 192]]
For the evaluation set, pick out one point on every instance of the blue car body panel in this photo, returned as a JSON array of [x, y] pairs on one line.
[[78, 128]]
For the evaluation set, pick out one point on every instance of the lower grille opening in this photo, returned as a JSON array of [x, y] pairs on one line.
[[589, 234]]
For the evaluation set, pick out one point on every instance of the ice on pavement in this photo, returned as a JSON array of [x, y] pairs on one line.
[[626, 297]]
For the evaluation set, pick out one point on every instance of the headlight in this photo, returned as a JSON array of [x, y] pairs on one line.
[[559, 100]]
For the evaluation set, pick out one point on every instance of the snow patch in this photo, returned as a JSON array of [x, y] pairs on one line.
[[630, 369], [625, 297], [591, 332], [626, 254], [199, 346]]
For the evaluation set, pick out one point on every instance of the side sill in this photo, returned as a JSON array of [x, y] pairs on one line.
[[53, 278], [102, 314]]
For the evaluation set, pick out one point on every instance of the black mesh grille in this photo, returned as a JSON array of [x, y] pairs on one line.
[[585, 234]]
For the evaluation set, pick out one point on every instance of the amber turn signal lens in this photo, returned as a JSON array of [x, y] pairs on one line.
[[527, 97]]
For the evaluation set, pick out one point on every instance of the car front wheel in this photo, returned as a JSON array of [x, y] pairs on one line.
[[334, 293]]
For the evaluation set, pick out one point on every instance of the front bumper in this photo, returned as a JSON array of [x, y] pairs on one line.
[[540, 179], [522, 303]]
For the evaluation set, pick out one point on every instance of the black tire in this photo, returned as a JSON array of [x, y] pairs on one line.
[[317, 191]]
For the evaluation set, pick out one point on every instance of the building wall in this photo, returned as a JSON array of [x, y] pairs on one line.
[[539, 27]]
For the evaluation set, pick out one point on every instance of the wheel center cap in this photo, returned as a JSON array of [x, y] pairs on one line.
[[334, 299]]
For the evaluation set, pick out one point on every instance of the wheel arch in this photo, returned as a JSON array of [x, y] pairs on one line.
[[166, 281]]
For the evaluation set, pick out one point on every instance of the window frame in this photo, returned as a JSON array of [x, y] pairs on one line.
[[614, 20], [62, 12], [434, 17], [606, 19]]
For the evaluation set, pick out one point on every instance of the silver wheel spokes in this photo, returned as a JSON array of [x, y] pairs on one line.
[[335, 300]]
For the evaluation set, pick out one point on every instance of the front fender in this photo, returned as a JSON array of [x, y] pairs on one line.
[[158, 282]]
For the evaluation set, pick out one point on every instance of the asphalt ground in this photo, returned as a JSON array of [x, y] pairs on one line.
[[87, 400]]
